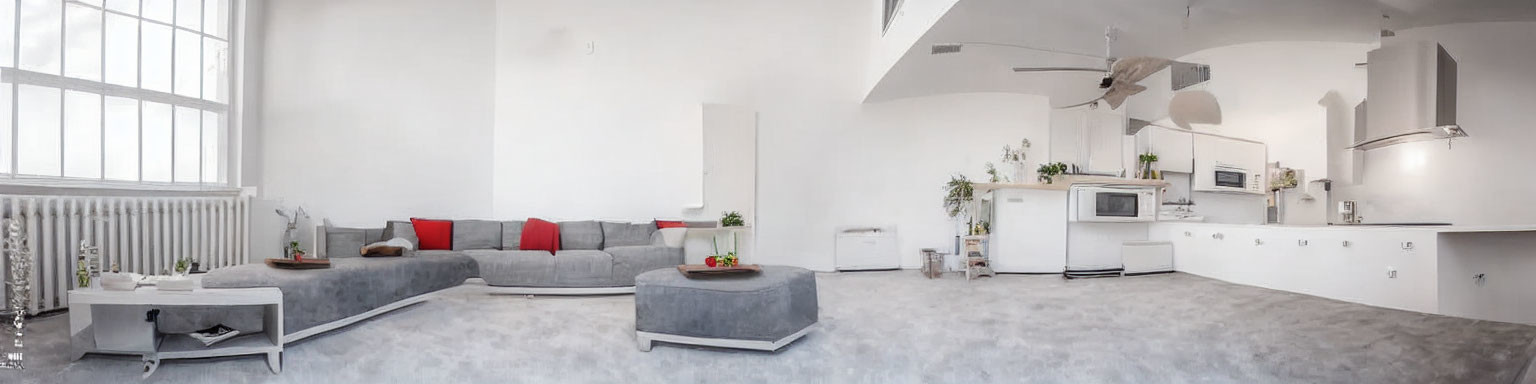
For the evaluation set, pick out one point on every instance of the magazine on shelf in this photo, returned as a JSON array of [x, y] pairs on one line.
[[214, 334]]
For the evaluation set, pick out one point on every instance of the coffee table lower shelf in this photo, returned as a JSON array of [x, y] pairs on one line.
[[99, 315]]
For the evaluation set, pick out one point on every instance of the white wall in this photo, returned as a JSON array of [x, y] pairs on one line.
[[890, 168], [595, 133], [374, 110], [1481, 179]]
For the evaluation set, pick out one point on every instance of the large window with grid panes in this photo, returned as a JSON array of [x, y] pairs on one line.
[[115, 91]]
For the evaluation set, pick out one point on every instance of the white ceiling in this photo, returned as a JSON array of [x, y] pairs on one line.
[[1147, 28]]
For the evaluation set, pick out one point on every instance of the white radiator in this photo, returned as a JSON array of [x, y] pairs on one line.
[[139, 234]]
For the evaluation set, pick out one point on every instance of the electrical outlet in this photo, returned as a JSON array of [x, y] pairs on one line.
[[1408, 245], [1391, 273]]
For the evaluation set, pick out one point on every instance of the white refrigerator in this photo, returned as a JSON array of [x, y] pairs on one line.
[[1029, 231]]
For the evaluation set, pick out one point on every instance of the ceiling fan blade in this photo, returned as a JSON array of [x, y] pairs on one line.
[[1121, 91], [1059, 69], [1130, 70]]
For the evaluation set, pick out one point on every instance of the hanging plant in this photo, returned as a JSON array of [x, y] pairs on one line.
[[959, 192]]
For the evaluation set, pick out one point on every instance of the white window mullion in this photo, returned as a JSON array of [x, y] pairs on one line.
[[63, 49], [16, 96], [140, 83], [175, 11], [103, 98]]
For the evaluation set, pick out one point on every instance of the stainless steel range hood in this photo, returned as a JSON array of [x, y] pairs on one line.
[[1410, 94], [1434, 133]]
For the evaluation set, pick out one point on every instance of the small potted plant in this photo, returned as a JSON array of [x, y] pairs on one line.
[[295, 251], [183, 265], [732, 219], [1146, 160], [1048, 172]]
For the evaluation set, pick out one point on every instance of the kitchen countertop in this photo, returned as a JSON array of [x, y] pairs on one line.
[[1428, 228], [1067, 181]]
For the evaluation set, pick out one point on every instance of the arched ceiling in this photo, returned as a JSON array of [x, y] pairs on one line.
[[1163, 28]]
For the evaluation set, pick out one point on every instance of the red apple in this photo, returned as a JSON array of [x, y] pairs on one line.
[[710, 261]]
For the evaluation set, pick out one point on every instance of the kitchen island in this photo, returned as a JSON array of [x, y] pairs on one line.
[[1481, 272]]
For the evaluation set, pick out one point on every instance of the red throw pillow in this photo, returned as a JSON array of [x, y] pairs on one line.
[[433, 234], [540, 235], [663, 224]]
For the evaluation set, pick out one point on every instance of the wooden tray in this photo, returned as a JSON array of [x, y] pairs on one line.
[[703, 270], [306, 264]]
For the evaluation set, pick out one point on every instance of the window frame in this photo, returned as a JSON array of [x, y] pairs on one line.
[[13, 76]]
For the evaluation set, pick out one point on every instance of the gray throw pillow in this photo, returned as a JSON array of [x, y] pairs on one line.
[[581, 235], [476, 234], [512, 235], [626, 234], [344, 242], [401, 229]]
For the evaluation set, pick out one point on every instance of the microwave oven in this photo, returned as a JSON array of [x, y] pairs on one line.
[[1234, 179], [1114, 204]]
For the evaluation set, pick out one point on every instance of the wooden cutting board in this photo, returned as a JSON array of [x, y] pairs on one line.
[[703, 270], [292, 264]]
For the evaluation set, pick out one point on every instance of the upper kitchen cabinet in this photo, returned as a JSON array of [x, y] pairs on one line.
[[1411, 90], [1174, 148], [1094, 140], [1224, 164]]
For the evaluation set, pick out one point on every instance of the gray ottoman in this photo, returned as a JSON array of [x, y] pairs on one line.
[[762, 311]]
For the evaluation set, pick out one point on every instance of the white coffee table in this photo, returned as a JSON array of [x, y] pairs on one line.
[[129, 337]]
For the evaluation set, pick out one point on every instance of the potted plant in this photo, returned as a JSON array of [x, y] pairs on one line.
[[183, 265], [295, 252], [959, 193], [732, 219], [992, 175], [1145, 170], [1048, 172]]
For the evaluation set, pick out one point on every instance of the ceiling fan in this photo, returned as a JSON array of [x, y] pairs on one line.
[[1120, 73]]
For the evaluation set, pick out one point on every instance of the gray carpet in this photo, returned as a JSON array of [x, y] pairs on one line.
[[882, 327]]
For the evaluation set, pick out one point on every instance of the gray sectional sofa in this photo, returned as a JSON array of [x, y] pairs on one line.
[[595, 258]]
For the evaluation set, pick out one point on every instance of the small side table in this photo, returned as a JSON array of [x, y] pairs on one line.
[[129, 330]]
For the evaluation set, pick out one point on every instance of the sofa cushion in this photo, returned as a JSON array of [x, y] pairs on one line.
[[626, 234], [400, 229], [344, 242], [476, 234], [584, 268], [516, 268], [511, 235], [631, 261], [433, 234], [540, 235], [587, 235]]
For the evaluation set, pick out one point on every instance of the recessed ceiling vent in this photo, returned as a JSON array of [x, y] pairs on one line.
[[1186, 75]]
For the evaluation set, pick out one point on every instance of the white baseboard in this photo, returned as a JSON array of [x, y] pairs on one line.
[[645, 340]]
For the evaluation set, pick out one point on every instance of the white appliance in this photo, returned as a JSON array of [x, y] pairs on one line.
[[1113, 204], [1224, 164], [1231, 178], [1029, 231], [866, 248], [1146, 257]]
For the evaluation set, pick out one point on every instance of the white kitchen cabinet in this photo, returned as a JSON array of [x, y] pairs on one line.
[[1212, 151], [1029, 231], [1174, 148], [1313, 261]]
